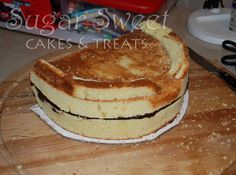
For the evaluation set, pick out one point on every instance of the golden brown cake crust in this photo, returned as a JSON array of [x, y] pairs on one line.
[[88, 63], [186, 52], [66, 82]]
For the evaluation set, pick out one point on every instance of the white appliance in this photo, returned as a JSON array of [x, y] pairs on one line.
[[211, 25]]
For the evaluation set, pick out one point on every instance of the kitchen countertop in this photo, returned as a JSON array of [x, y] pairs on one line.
[[15, 54], [178, 21]]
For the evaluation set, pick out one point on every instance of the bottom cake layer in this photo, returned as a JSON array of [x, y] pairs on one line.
[[112, 129]]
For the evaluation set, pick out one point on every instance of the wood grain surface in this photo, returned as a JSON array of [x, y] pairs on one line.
[[203, 143]]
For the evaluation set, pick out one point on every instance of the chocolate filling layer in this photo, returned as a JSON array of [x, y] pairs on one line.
[[55, 108]]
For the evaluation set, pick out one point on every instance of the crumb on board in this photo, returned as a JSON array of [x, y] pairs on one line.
[[224, 123], [224, 104], [210, 173], [19, 167], [215, 134], [199, 126], [224, 157]]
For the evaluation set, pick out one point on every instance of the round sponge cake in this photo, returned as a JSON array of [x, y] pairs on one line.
[[120, 89]]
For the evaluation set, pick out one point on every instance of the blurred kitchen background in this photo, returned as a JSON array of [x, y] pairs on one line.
[[14, 54]]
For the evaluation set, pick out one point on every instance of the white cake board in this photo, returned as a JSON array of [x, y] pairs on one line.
[[211, 26], [37, 110]]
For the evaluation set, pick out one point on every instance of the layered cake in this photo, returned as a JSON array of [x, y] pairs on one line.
[[120, 89]]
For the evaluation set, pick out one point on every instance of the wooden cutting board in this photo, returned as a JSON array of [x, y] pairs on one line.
[[203, 143]]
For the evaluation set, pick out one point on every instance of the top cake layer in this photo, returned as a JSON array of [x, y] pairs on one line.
[[141, 60]]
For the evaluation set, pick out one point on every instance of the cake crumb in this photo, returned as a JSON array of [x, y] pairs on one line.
[[224, 123], [224, 104], [186, 125], [224, 157], [199, 126], [215, 134], [222, 143], [19, 167], [161, 148], [187, 147]]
